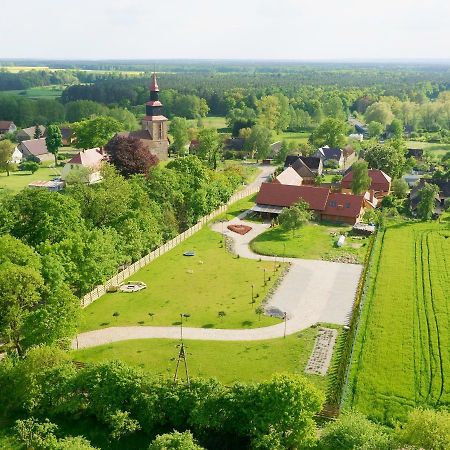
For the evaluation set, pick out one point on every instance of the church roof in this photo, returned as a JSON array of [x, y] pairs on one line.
[[154, 103], [154, 86]]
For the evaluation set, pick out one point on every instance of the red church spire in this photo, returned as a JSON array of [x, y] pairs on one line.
[[154, 86]]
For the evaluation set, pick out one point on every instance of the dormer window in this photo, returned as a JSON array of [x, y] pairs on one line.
[[333, 203]]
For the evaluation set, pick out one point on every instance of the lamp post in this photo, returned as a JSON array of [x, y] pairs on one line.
[[253, 298], [264, 276], [182, 315], [285, 323], [274, 264], [284, 251]]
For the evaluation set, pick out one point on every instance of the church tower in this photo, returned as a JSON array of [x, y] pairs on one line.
[[155, 123]]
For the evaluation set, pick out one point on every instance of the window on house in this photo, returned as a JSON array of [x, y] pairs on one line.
[[347, 205], [333, 203]]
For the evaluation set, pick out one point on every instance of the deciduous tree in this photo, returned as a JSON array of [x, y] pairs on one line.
[[427, 195], [130, 156], [295, 216], [6, 151], [95, 132], [53, 141], [360, 177], [331, 132]]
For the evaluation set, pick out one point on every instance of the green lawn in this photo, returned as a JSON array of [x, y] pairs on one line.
[[227, 361], [19, 180], [212, 122], [402, 353], [435, 149], [312, 241], [289, 136], [211, 281]]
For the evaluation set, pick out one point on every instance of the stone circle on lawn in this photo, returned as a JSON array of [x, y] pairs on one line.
[[132, 286]]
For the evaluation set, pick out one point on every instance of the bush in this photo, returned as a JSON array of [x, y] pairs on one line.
[[352, 431], [175, 441], [28, 166]]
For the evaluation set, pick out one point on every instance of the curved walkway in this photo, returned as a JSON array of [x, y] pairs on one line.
[[312, 291]]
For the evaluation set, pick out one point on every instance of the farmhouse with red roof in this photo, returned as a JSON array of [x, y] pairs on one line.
[[380, 184], [327, 205]]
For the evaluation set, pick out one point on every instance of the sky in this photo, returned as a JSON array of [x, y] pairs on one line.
[[227, 29]]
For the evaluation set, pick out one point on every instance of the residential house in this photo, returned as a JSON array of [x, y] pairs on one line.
[[380, 182], [290, 177], [234, 144], [68, 136], [330, 156], [87, 163], [17, 156], [25, 134], [275, 148], [7, 126], [359, 126], [326, 205], [308, 167], [36, 150]]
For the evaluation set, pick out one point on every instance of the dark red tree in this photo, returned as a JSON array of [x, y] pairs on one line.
[[130, 156]]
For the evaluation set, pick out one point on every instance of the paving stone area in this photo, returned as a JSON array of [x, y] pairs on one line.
[[322, 353]]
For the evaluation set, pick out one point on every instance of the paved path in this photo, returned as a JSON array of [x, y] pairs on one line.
[[312, 291]]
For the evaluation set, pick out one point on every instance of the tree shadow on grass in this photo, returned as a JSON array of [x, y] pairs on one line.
[[104, 324], [208, 325], [247, 323]]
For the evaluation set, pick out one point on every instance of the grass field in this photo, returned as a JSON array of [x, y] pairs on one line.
[[312, 241], [402, 353], [245, 361], [289, 136], [435, 149], [218, 282], [19, 180], [38, 92]]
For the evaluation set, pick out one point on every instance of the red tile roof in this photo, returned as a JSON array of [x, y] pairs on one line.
[[380, 181], [276, 194], [344, 205], [88, 158]]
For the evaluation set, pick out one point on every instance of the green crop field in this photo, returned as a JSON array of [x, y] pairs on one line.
[[211, 281], [402, 353], [54, 91], [244, 361], [19, 180], [311, 241]]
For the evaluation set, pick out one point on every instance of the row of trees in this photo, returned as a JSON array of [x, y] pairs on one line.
[[84, 234], [26, 112], [276, 414]]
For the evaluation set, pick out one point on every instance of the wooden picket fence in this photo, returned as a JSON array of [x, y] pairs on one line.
[[100, 290]]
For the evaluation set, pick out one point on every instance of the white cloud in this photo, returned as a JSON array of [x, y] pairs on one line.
[[253, 29]]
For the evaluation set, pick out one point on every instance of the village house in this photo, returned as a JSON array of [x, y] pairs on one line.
[[25, 134], [7, 126], [326, 205], [380, 182], [290, 177], [16, 157], [154, 126], [330, 156], [441, 196], [35, 150], [85, 164], [308, 167]]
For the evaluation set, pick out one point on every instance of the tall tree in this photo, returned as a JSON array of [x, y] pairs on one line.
[[387, 157], [425, 207], [6, 151], [294, 217], [375, 129], [95, 132], [37, 132], [258, 143], [179, 131], [209, 146], [331, 132], [129, 155], [360, 177], [269, 112], [53, 141]]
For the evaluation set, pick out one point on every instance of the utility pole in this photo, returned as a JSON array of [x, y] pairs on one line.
[[182, 354]]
